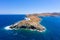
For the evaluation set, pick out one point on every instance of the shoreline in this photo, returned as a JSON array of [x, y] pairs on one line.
[[30, 22], [8, 28]]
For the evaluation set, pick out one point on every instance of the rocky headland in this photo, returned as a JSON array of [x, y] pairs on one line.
[[31, 21]]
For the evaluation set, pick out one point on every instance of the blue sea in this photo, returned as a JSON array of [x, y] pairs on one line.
[[51, 23]]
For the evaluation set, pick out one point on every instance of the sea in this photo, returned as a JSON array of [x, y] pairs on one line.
[[51, 23]]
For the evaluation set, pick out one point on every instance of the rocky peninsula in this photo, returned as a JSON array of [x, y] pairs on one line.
[[31, 22]]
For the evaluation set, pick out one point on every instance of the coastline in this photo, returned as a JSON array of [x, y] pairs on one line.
[[30, 22], [8, 28]]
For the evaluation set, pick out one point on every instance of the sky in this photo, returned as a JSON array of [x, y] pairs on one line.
[[29, 6]]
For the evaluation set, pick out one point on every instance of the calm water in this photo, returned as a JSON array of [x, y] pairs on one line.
[[52, 25]]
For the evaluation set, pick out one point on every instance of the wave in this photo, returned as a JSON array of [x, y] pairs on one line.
[[8, 27]]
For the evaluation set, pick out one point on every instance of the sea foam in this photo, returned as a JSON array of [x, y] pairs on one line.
[[7, 28]]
